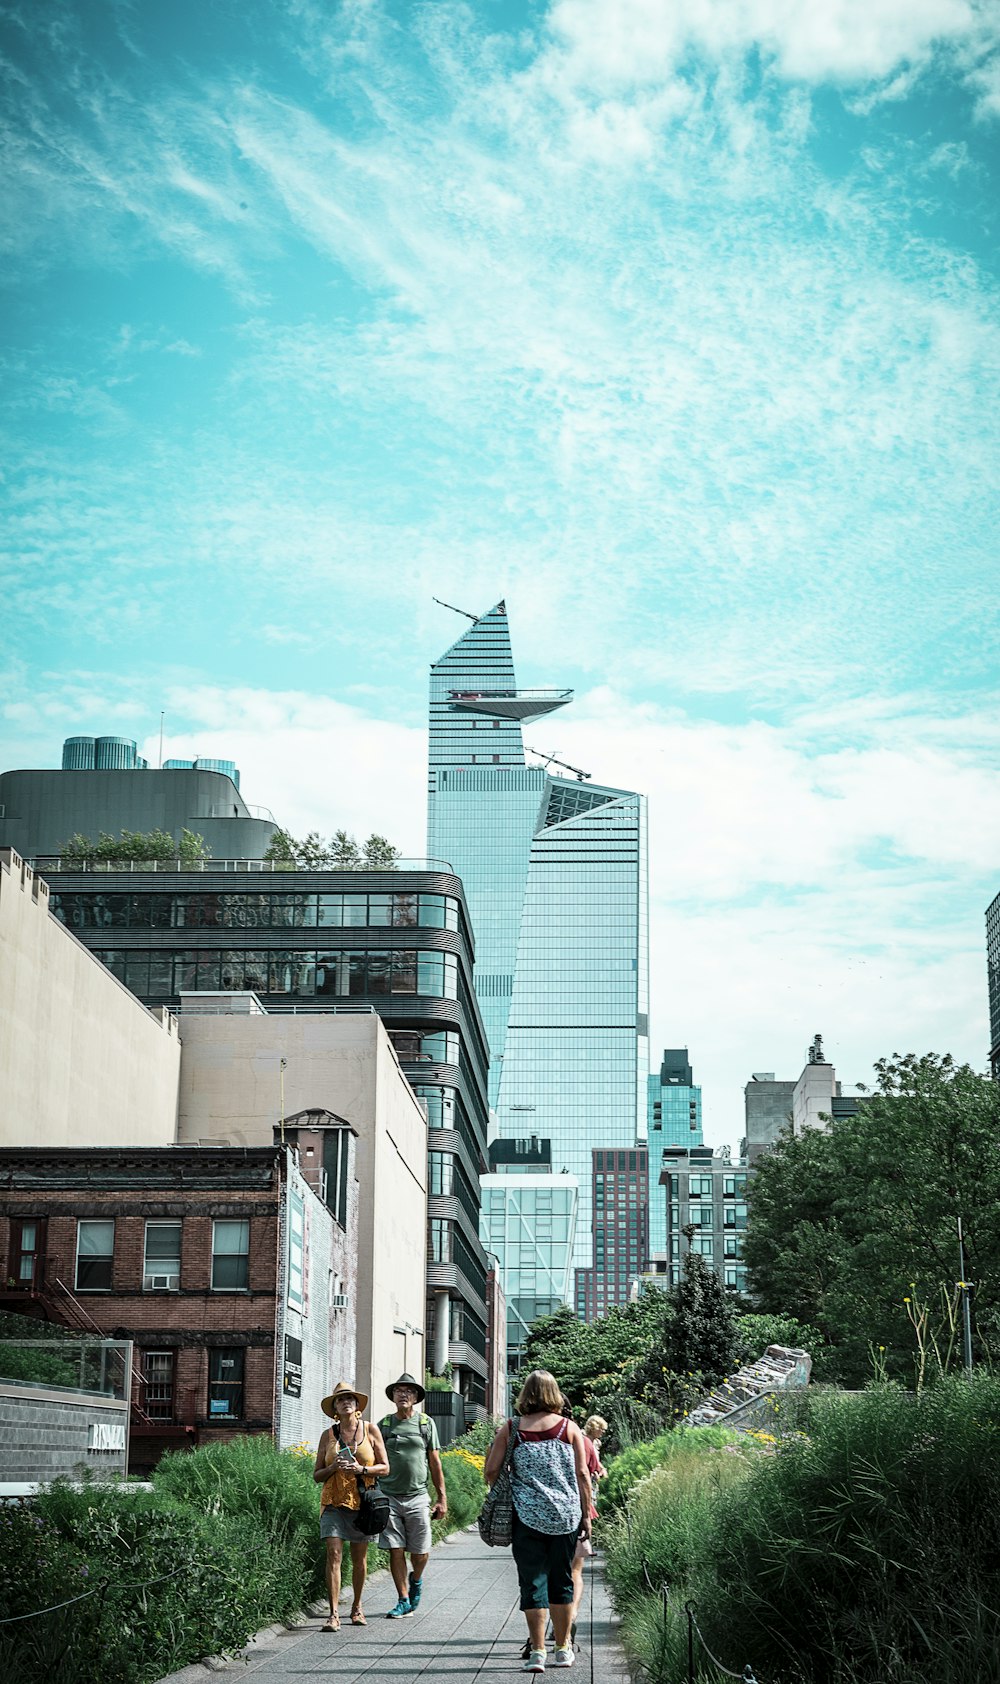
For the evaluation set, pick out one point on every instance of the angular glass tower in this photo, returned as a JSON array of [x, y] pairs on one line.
[[673, 1119], [555, 874]]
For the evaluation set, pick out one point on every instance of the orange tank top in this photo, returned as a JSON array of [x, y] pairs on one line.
[[340, 1491]]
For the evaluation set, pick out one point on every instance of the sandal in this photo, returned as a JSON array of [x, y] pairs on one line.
[[332, 1624], [357, 1617]]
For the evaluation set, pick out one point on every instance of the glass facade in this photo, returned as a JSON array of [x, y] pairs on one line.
[[993, 976], [528, 1222], [708, 1194], [555, 876], [673, 1118]]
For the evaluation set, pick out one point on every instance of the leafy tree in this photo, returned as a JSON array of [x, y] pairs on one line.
[[340, 853], [379, 854], [852, 1228], [587, 1357], [343, 852], [701, 1334], [134, 845]]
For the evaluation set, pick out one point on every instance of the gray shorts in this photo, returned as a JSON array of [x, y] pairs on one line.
[[339, 1523], [409, 1525]]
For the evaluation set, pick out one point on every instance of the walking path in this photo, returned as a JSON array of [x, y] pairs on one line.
[[468, 1629]]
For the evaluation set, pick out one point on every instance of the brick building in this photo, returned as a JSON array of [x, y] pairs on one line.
[[620, 1205], [232, 1275]]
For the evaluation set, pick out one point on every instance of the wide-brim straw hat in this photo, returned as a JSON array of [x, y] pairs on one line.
[[342, 1389], [406, 1380]]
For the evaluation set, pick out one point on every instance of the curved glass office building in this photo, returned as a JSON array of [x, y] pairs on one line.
[[555, 874]]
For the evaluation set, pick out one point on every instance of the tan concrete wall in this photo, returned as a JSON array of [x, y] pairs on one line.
[[82, 1063], [813, 1096], [231, 1090]]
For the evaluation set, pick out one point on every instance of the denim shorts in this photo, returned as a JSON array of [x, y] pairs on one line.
[[544, 1565], [340, 1523]]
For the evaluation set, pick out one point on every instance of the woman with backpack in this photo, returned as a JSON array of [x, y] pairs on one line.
[[352, 1447], [551, 1492]]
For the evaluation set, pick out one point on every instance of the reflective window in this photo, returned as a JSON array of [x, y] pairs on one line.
[[225, 1384], [439, 1240], [162, 1261], [230, 1256], [95, 1247]]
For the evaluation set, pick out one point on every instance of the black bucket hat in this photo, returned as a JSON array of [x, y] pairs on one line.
[[406, 1380]]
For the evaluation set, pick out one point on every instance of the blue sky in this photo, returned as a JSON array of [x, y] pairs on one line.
[[674, 324]]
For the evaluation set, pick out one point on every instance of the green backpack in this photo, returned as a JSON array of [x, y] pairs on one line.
[[426, 1429]]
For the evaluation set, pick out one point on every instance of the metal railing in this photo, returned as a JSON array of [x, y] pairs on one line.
[[57, 862]]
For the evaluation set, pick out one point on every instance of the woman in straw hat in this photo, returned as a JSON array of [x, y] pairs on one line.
[[352, 1446]]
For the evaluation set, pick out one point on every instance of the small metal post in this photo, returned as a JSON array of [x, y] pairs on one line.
[[966, 1312]]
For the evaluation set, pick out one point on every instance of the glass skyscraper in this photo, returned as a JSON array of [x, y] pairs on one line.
[[528, 1222], [555, 874], [673, 1118]]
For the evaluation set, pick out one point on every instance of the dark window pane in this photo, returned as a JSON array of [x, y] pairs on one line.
[[255, 972], [331, 973], [137, 972], [356, 983], [404, 973], [379, 973], [161, 911], [208, 970], [225, 1384], [404, 910]]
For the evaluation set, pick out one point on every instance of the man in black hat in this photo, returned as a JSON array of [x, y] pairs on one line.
[[412, 1451]]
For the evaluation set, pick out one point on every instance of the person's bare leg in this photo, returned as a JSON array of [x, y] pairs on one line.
[[536, 1618], [359, 1573], [577, 1585], [562, 1616], [334, 1547], [417, 1565], [397, 1567]]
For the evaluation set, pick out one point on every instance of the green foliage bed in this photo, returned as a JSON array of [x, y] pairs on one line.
[[864, 1552], [226, 1542]]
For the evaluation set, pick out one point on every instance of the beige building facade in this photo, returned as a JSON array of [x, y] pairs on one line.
[[242, 1069], [82, 1062]]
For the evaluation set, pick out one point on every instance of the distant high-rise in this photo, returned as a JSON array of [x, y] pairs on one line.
[[673, 1118], [555, 872], [993, 977]]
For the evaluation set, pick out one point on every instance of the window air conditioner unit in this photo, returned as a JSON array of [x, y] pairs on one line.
[[339, 1301], [162, 1283]]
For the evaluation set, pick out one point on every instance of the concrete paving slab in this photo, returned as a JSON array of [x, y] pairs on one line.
[[468, 1629]]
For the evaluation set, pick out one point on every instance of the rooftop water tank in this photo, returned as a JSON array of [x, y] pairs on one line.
[[78, 754], [115, 754]]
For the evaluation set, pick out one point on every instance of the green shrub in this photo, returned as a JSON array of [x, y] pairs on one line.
[[639, 1460], [866, 1554], [478, 1438], [657, 1538], [465, 1485], [172, 1585]]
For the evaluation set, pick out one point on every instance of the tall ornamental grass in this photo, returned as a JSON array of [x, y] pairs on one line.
[[635, 1463], [867, 1553]]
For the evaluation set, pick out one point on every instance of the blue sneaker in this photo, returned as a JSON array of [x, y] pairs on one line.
[[416, 1591], [401, 1610]]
